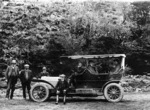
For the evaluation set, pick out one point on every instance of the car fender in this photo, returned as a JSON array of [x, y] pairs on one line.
[[48, 84], [114, 81]]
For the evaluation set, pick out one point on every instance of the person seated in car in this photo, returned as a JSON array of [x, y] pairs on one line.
[[44, 72], [78, 71], [61, 88], [92, 68], [98, 67], [115, 67]]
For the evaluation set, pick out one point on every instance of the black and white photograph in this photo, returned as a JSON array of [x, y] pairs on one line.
[[74, 54]]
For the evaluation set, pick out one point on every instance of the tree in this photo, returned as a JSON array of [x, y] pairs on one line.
[[40, 34], [140, 18]]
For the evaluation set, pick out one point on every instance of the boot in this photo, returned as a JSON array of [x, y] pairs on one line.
[[57, 99], [7, 93], [64, 100], [11, 95]]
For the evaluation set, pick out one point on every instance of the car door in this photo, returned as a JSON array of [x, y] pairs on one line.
[[90, 80]]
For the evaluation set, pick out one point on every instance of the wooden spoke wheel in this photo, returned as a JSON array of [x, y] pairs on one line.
[[39, 92], [113, 92]]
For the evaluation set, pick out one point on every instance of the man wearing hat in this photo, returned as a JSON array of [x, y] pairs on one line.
[[44, 72], [79, 70], [61, 87], [25, 78], [12, 73]]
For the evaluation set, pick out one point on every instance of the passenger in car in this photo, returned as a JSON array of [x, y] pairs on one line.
[[115, 67], [92, 68], [99, 67], [44, 72], [61, 88]]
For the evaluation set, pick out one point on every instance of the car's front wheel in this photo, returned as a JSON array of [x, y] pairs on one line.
[[113, 92], [39, 92]]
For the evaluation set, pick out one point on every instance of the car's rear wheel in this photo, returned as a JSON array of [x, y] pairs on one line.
[[39, 92], [113, 92]]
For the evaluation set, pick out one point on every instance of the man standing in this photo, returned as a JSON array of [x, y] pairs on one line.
[[25, 78], [11, 75], [61, 88]]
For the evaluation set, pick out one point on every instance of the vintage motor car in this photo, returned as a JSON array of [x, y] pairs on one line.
[[104, 80]]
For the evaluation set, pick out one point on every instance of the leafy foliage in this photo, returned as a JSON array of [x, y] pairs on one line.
[[39, 34]]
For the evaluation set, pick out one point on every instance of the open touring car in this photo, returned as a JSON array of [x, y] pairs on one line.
[[103, 80]]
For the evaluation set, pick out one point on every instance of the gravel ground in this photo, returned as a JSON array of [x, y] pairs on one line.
[[132, 101], [135, 100]]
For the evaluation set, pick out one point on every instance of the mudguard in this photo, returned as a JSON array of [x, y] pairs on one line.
[[114, 81], [50, 83]]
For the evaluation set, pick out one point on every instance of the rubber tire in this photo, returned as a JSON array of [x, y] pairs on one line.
[[46, 89], [106, 94]]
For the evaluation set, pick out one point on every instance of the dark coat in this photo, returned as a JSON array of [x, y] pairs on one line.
[[11, 71], [79, 70], [26, 75], [61, 85], [92, 70], [44, 74]]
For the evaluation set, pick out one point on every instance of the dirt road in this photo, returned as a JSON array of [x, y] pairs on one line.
[[138, 101]]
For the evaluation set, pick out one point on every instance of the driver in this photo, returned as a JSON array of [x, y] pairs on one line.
[[78, 71]]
